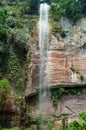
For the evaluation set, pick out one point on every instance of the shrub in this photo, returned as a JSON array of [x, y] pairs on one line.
[[3, 16], [4, 50], [5, 91], [19, 43], [64, 122], [56, 95], [51, 124], [74, 126], [83, 116], [33, 6], [4, 35], [69, 8]]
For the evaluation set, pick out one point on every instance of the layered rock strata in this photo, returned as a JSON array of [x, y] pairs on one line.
[[66, 61]]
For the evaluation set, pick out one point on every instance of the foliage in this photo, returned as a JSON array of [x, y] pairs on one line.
[[56, 94], [4, 36], [3, 16], [19, 43], [20, 38], [39, 119], [14, 72], [82, 5], [51, 124], [28, 128], [3, 27], [64, 122], [13, 48], [33, 6], [78, 125], [83, 116], [69, 8], [14, 128], [11, 22], [4, 50], [5, 91], [74, 126]]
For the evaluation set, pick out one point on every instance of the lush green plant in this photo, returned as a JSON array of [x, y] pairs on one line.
[[4, 36], [51, 124], [3, 16], [14, 128], [19, 44], [14, 72], [4, 50], [74, 126], [5, 91], [56, 95], [69, 8], [64, 122], [39, 121], [83, 116], [28, 128], [72, 9]]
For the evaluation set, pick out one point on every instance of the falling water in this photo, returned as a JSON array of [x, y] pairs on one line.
[[43, 47]]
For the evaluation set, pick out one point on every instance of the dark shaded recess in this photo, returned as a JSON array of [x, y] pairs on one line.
[[21, 52], [6, 119], [34, 5], [32, 99], [63, 35], [65, 87], [4, 56], [83, 46], [19, 48], [44, 1]]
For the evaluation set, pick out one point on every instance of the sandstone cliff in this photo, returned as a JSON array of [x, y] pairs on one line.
[[66, 62]]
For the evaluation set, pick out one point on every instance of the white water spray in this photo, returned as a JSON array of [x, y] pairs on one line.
[[43, 47]]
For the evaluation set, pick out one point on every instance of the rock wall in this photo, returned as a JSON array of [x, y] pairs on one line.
[[66, 62], [65, 67], [8, 113], [70, 105]]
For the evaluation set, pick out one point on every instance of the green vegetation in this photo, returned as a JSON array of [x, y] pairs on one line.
[[64, 122], [15, 128], [51, 124], [17, 19], [68, 8], [83, 116], [13, 44], [56, 94], [5, 91], [18, 22]]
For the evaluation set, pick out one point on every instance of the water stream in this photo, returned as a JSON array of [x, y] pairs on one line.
[[43, 50]]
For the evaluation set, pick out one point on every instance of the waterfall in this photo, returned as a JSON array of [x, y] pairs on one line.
[[43, 50]]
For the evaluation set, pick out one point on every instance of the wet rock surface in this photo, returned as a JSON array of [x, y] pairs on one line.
[[70, 105], [66, 62], [65, 67], [8, 113]]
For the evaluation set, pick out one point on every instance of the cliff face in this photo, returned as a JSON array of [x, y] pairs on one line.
[[65, 67], [66, 63]]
